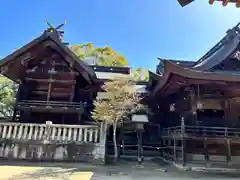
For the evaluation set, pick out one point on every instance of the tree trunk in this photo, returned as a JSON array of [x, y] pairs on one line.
[[115, 142]]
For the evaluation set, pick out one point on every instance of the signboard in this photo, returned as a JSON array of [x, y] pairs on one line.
[[140, 118]]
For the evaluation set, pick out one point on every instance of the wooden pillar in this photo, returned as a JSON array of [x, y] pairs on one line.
[[174, 148], [72, 93], [227, 112], [73, 85], [229, 109], [49, 88], [63, 118], [14, 113], [183, 141], [229, 152], [193, 104], [205, 149]]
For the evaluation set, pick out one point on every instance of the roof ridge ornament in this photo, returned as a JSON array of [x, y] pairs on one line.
[[55, 31]]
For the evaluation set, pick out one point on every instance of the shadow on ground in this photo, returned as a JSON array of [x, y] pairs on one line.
[[151, 170]]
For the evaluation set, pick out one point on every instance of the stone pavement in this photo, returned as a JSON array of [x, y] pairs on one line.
[[123, 171]]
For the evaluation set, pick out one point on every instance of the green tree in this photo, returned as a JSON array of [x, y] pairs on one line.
[[107, 57], [141, 74], [8, 91], [120, 101], [103, 56]]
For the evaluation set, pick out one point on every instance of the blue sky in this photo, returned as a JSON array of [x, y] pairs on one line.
[[142, 30]]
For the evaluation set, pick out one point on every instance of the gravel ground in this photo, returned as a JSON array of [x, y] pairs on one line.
[[42, 173], [124, 171]]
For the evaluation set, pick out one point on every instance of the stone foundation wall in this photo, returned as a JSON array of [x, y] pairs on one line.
[[53, 142], [54, 152]]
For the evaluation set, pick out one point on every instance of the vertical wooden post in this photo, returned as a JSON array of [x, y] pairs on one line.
[[229, 152], [52, 65], [73, 85], [229, 110], [72, 93], [79, 118], [183, 141], [205, 149], [174, 148], [63, 119], [193, 107], [49, 88]]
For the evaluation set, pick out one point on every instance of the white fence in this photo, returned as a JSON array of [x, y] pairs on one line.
[[49, 133], [29, 141]]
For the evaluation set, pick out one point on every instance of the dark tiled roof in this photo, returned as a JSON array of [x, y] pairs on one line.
[[220, 52], [179, 62]]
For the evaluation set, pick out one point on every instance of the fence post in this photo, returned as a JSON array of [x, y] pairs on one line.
[[101, 149], [47, 132]]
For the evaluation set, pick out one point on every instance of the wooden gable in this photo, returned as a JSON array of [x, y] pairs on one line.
[[42, 53]]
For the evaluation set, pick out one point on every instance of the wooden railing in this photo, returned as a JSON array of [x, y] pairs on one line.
[[53, 106], [49, 133], [34, 103], [202, 131]]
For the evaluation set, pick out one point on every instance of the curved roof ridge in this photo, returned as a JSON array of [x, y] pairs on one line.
[[225, 50], [229, 35], [173, 69]]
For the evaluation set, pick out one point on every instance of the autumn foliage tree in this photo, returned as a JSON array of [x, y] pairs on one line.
[[120, 101], [105, 56]]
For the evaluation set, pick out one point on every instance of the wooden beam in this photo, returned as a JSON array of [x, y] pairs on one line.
[[41, 87], [56, 63], [58, 89], [55, 75], [52, 80], [53, 94]]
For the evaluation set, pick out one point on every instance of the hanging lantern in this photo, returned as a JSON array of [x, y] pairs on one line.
[[172, 107], [211, 1]]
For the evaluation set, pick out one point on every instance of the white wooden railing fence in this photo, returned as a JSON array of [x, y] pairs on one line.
[[49, 133]]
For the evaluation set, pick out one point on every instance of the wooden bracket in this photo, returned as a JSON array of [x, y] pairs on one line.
[[4, 70], [25, 59]]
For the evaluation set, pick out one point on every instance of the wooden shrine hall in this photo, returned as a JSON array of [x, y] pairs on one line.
[[52, 114], [198, 104], [53, 82]]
